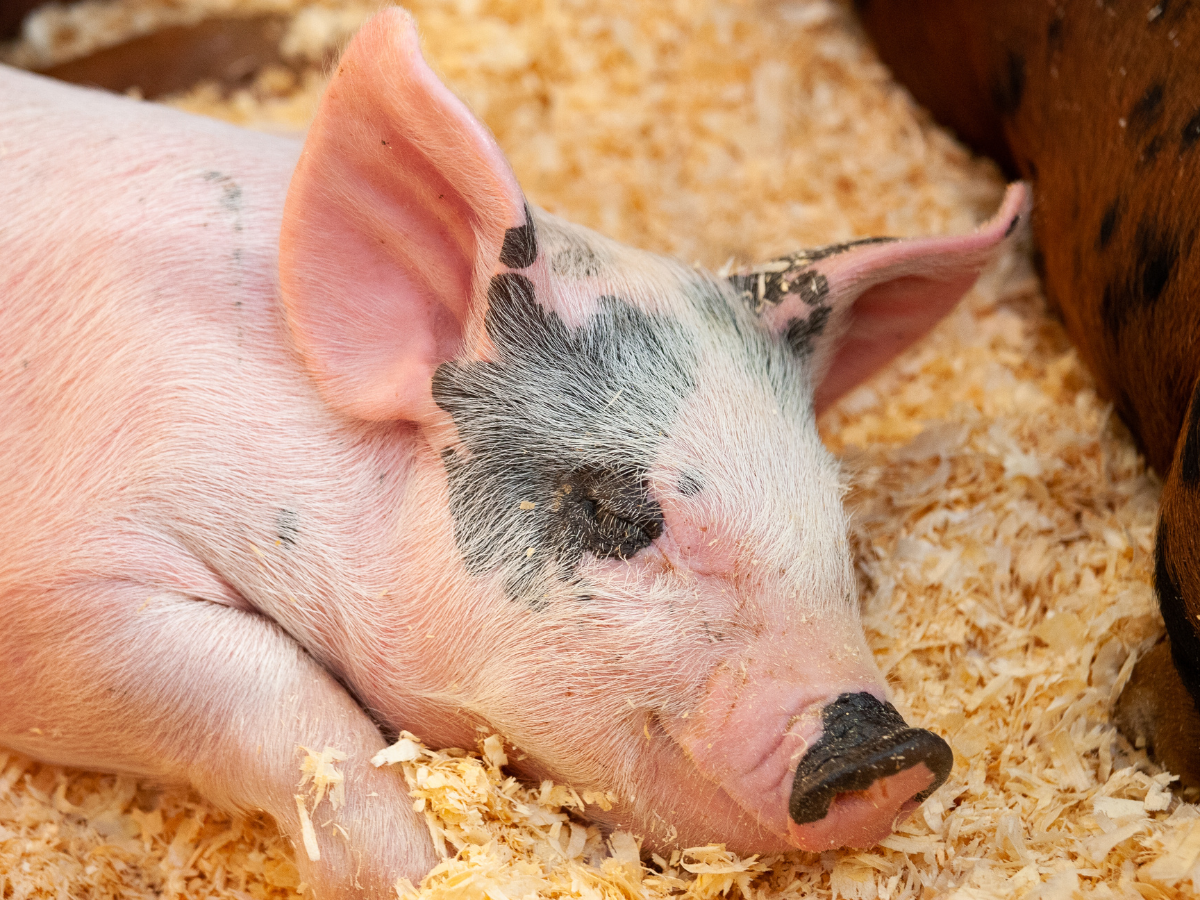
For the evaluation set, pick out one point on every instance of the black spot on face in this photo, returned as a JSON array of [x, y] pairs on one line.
[[608, 512], [1190, 134], [1108, 224], [1156, 255], [1146, 110], [690, 484], [1181, 628], [1012, 226], [801, 333], [1189, 460], [1008, 86], [520, 247], [557, 433], [287, 526]]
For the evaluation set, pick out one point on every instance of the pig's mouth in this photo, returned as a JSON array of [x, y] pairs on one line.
[[868, 769]]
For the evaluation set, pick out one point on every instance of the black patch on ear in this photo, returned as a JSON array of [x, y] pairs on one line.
[[1190, 133], [1108, 223], [557, 433], [802, 332], [1156, 255], [1146, 111], [1008, 87], [769, 283], [1181, 628], [520, 244], [1189, 460]]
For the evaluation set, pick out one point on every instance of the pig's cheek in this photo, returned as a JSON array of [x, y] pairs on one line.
[[689, 542]]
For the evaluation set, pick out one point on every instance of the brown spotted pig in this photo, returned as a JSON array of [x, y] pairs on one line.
[[1097, 103]]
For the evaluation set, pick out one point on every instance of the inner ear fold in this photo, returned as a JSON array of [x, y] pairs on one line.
[[400, 209], [850, 308]]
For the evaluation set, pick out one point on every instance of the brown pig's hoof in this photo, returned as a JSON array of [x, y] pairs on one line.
[[1156, 711]]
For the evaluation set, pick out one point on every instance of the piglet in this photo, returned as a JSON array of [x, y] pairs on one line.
[[300, 447]]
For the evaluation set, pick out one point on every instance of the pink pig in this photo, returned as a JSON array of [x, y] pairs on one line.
[[306, 446]]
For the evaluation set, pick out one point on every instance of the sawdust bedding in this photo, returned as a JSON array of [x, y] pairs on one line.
[[1003, 520]]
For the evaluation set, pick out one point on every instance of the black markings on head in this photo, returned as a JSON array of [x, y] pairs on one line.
[[1181, 627], [558, 431], [1156, 255], [1008, 86], [1012, 226], [1189, 460], [287, 526], [607, 512], [770, 283], [802, 333], [1108, 223], [1190, 134], [862, 740], [690, 483], [520, 244], [1146, 111]]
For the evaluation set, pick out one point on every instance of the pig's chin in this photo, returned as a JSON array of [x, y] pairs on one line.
[[668, 803]]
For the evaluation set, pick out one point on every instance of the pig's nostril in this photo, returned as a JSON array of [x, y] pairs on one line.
[[863, 741]]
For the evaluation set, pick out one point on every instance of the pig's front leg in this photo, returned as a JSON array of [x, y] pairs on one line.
[[160, 685]]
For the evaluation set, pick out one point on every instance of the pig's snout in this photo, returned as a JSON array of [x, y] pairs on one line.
[[868, 769]]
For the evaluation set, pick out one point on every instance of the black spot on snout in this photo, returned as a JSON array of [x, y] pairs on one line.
[[862, 741], [557, 433], [1008, 86], [520, 247]]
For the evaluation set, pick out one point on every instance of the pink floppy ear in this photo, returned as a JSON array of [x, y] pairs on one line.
[[851, 308], [397, 215]]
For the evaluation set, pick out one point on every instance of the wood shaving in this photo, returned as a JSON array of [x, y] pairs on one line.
[[1002, 519]]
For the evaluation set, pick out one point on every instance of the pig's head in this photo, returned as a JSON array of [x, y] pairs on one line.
[[634, 539]]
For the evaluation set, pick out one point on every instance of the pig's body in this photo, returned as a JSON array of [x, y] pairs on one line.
[[1098, 104], [584, 505]]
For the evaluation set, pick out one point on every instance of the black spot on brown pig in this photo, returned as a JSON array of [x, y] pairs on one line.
[[1008, 85]]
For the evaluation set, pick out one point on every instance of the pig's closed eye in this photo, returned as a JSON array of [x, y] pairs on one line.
[[609, 512]]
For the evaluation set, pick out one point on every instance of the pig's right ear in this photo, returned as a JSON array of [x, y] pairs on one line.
[[848, 309], [400, 209]]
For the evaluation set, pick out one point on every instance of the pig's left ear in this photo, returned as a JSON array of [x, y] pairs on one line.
[[400, 209], [851, 308]]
